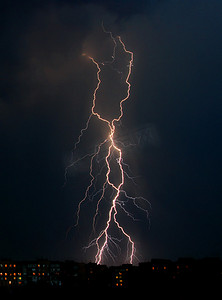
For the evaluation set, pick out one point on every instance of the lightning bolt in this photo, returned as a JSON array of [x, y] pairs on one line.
[[113, 152]]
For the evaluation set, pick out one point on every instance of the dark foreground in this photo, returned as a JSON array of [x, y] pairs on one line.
[[159, 279], [180, 291]]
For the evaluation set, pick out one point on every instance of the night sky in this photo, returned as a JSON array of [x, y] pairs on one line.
[[45, 96]]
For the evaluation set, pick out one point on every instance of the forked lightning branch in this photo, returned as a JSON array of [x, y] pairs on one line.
[[110, 149]]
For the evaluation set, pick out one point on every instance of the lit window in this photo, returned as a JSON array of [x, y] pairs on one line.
[[164, 268], [14, 266], [6, 265], [153, 268], [33, 273], [10, 282], [6, 274]]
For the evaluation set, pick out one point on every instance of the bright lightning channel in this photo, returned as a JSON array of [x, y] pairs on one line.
[[104, 239]]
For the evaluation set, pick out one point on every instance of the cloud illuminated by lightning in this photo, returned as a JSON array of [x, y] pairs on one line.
[[112, 156]]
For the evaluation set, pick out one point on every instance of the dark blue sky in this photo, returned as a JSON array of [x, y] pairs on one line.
[[45, 91]]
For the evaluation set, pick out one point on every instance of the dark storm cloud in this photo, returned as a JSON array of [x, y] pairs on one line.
[[45, 91], [45, 94], [42, 86], [178, 89]]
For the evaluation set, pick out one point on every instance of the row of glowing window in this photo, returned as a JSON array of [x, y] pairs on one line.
[[19, 274], [119, 284], [39, 266], [10, 282], [39, 274], [14, 266], [157, 268], [6, 265], [6, 278], [165, 268], [10, 274], [56, 267]]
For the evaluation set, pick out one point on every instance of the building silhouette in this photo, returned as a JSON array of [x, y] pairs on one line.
[[160, 277]]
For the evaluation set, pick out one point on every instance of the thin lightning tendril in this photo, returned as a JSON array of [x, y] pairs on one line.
[[104, 239]]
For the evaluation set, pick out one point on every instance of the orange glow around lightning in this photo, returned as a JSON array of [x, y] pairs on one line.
[[113, 211], [101, 242]]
